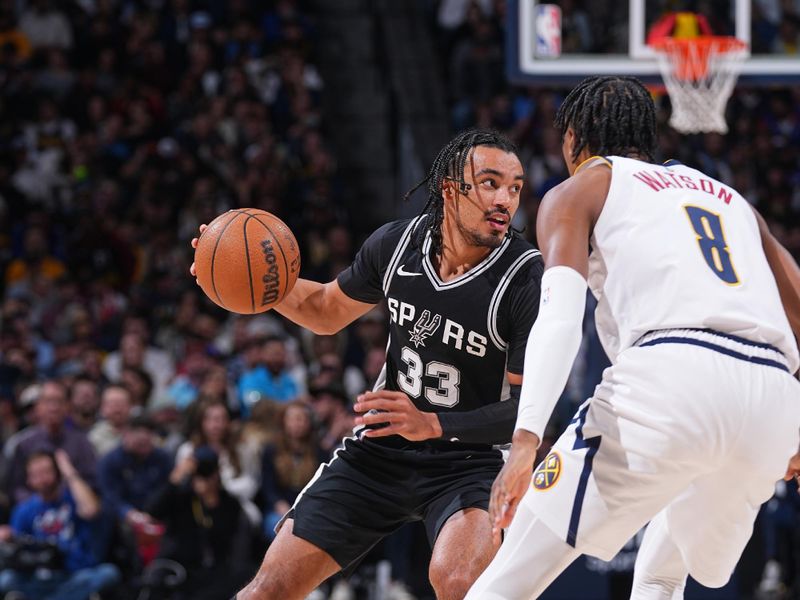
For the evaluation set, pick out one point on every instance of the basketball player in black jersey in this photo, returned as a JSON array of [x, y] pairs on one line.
[[462, 291]]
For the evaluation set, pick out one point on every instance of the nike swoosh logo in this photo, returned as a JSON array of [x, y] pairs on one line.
[[403, 273]]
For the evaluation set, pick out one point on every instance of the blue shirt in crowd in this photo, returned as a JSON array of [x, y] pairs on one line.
[[128, 481], [58, 522], [259, 383]]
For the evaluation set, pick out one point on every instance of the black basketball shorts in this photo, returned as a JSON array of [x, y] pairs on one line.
[[369, 489]]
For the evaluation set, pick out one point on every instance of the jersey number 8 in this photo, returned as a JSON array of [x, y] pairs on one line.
[[445, 394], [711, 239]]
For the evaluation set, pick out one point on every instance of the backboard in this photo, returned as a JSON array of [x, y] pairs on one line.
[[608, 37]]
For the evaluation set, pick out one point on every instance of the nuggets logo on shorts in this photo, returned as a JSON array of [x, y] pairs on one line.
[[547, 473]]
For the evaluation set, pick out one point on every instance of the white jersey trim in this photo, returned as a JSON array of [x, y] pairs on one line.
[[398, 252], [494, 304], [439, 285]]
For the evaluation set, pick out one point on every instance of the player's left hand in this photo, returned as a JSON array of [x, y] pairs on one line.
[[400, 415], [793, 469], [509, 487]]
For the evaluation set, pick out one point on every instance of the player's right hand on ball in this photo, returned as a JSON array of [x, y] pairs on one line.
[[192, 270]]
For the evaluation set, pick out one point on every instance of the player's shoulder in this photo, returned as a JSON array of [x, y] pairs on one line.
[[521, 250], [392, 232], [523, 262]]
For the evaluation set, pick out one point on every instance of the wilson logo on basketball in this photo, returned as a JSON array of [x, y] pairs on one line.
[[271, 278], [548, 472]]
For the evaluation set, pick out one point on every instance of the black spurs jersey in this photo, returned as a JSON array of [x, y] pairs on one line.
[[450, 343]]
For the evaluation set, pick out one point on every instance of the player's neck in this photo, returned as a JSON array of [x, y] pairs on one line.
[[458, 255]]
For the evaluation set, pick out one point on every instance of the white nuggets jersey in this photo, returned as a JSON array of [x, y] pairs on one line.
[[674, 248]]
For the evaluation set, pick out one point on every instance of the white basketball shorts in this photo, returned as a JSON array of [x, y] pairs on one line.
[[693, 422]]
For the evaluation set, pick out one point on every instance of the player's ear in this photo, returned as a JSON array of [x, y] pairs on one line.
[[449, 189]]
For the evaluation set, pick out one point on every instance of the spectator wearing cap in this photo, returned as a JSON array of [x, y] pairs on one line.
[[238, 463], [269, 379], [64, 511], [133, 472], [50, 433], [206, 531], [332, 411], [289, 464], [115, 412]]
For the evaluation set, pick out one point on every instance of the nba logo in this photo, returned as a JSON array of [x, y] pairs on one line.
[[548, 31]]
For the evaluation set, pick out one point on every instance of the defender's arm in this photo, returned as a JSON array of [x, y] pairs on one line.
[[786, 272], [564, 225]]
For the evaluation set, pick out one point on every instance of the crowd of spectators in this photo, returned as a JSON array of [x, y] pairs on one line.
[[150, 439]]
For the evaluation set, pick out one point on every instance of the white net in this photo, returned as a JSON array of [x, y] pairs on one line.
[[700, 75]]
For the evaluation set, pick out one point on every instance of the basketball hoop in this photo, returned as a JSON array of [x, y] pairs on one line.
[[700, 74]]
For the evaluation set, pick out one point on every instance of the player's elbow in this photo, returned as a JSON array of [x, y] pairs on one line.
[[325, 326]]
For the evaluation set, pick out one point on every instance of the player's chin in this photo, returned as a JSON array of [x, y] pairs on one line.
[[493, 238]]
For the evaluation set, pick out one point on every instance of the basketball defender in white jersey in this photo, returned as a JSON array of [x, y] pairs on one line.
[[699, 413]]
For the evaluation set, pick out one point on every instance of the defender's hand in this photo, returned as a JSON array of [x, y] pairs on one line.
[[793, 469], [203, 227], [399, 412], [510, 485]]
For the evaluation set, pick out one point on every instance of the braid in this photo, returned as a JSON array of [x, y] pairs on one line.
[[449, 163], [610, 115]]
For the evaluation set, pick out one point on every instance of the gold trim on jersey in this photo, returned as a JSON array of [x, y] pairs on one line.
[[592, 158]]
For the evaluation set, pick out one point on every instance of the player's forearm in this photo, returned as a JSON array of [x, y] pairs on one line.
[[490, 424], [309, 305], [552, 346]]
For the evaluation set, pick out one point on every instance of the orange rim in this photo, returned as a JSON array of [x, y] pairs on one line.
[[690, 55]]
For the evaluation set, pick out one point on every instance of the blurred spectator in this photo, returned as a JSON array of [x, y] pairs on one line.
[[46, 26], [34, 262], [133, 472], [238, 464], [332, 411], [206, 529], [185, 387], [16, 47], [269, 378], [84, 402], [115, 413], [140, 384], [133, 352], [64, 511], [49, 434], [289, 464], [779, 517]]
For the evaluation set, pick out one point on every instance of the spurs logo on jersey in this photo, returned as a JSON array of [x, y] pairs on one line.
[[453, 334], [424, 328]]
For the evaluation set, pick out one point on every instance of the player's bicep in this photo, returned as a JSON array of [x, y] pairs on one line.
[[363, 279], [566, 217], [786, 273]]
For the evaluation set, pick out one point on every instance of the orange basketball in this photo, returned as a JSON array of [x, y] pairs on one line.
[[247, 260]]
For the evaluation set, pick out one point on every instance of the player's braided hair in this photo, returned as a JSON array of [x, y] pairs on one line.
[[610, 116], [449, 164]]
